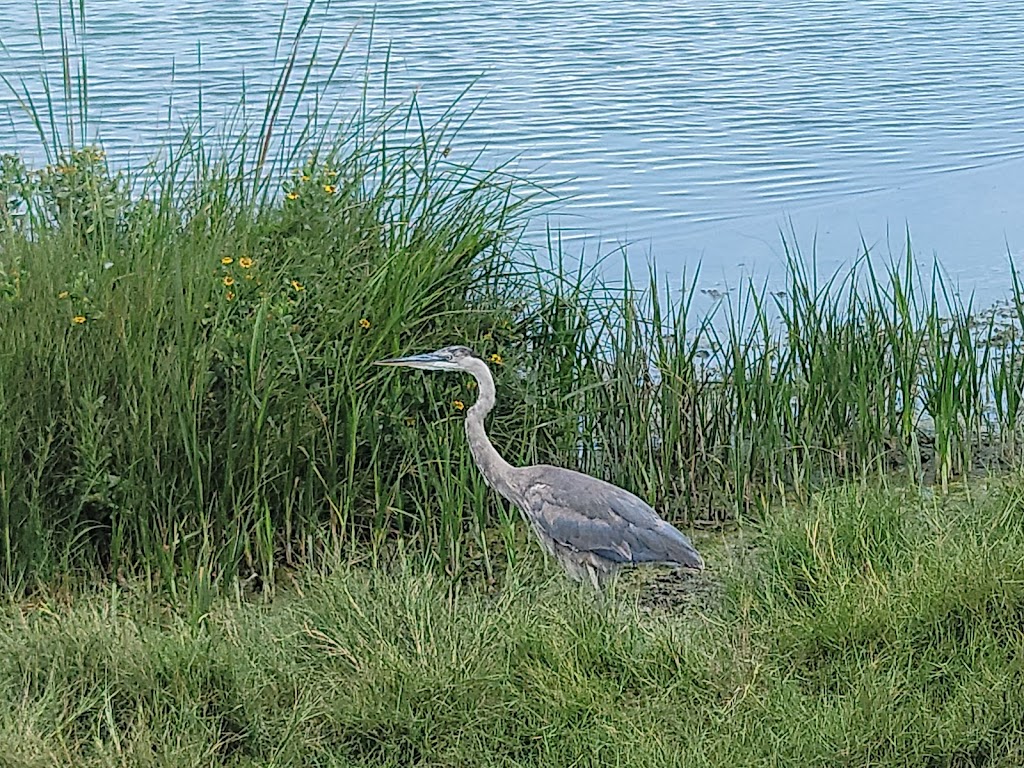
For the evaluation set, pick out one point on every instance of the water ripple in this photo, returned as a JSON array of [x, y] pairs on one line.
[[726, 108]]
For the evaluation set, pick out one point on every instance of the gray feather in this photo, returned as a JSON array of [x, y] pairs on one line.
[[590, 515]]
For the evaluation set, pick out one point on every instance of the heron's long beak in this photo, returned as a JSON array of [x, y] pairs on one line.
[[427, 361]]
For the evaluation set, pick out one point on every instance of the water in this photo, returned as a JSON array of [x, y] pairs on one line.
[[694, 131]]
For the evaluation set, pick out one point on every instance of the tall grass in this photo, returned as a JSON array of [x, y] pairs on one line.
[[186, 361], [186, 380]]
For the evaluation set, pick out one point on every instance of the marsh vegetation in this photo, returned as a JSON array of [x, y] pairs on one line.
[[188, 387], [226, 538]]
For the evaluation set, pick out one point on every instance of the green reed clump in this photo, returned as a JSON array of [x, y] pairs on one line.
[[187, 375], [189, 382], [1007, 369], [186, 378], [853, 374]]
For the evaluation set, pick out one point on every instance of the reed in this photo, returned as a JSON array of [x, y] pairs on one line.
[[186, 375]]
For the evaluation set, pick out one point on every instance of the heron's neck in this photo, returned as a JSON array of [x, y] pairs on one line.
[[496, 471]]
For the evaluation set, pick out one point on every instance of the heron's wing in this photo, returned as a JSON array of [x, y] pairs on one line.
[[590, 515]]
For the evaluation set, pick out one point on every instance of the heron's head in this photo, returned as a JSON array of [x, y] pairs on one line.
[[447, 359]]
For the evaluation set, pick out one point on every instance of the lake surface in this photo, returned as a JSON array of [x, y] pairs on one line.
[[693, 130]]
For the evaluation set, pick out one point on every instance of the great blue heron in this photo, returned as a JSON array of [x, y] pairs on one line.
[[591, 527]]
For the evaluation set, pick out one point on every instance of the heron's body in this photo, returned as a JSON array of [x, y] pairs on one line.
[[591, 527]]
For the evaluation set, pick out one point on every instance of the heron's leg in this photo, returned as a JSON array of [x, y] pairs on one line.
[[612, 583], [603, 582]]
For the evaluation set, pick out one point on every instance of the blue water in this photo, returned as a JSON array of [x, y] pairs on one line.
[[693, 131]]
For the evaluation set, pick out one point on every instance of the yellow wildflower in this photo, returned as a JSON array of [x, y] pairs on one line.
[[292, 195], [78, 319], [330, 189], [245, 262], [63, 295], [496, 359], [364, 324], [229, 280], [409, 421], [330, 174], [458, 405], [230, 295], [298, 286], [226, 260], [305, 177]]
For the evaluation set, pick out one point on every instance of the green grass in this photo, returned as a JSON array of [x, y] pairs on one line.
[[870, 627], [227, 539]]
